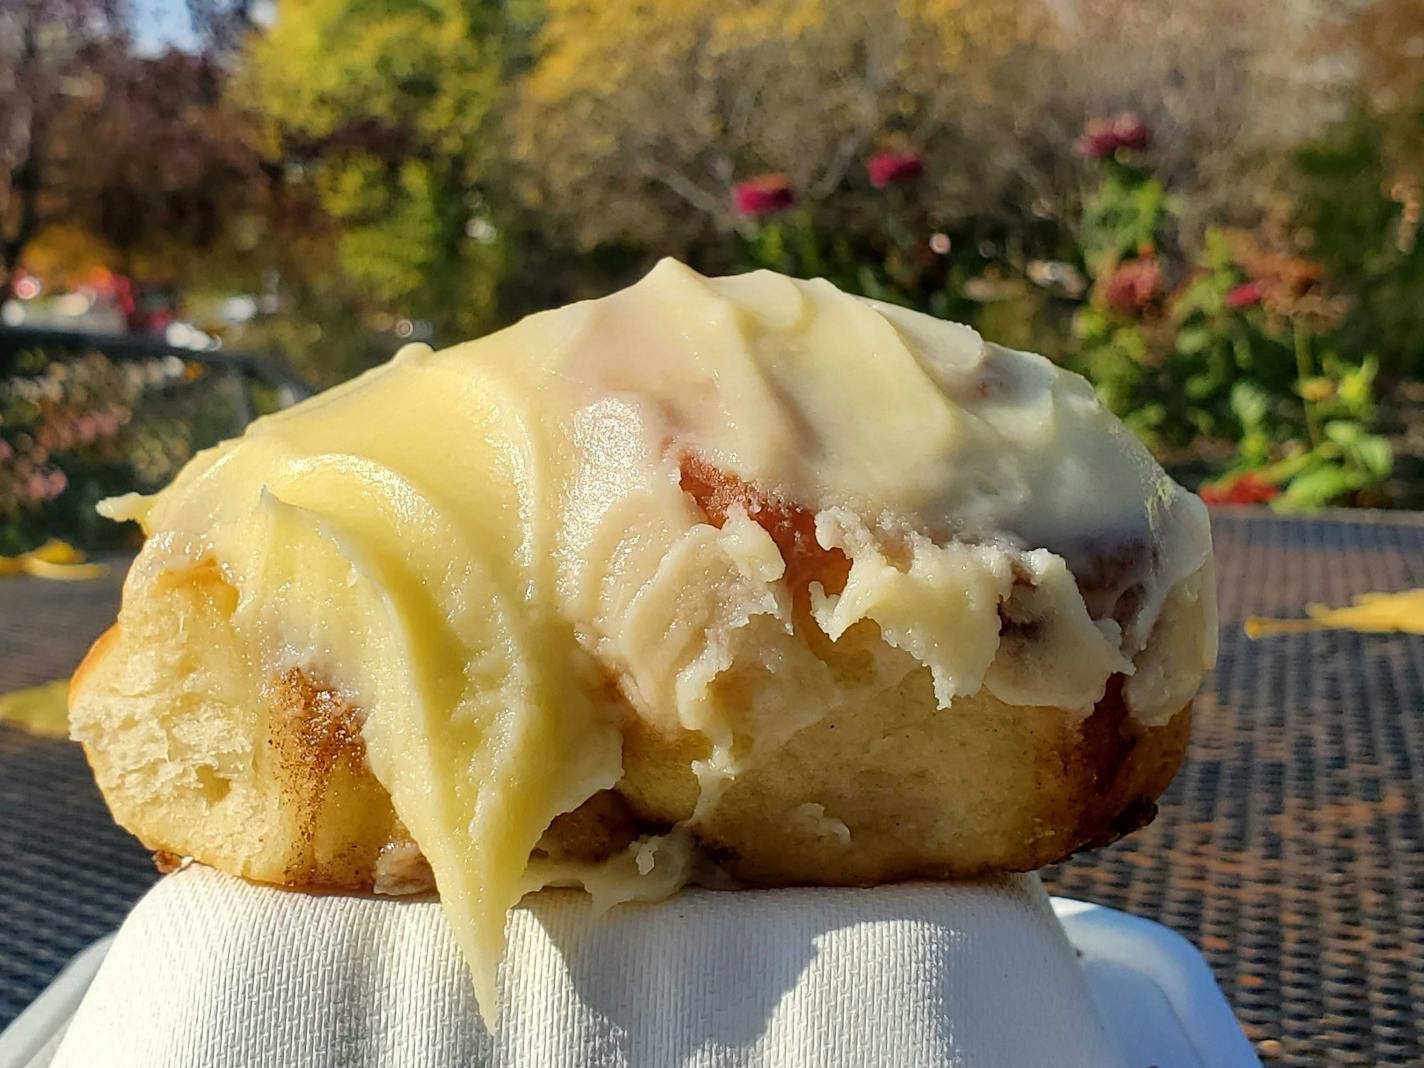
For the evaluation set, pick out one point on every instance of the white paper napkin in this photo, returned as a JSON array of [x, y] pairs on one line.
[[209, 970]]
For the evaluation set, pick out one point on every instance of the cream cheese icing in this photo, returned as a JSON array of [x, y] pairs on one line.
[[469, 544]]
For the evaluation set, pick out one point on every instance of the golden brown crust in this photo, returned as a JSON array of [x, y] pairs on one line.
[[101, 648], [166, 863], [1121, 769]]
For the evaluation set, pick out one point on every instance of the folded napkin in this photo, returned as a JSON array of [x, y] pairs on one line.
[[210, 970]]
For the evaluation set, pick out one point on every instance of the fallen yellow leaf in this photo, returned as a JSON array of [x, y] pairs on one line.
[[1401, 613], [42, 709], [55, 551], [64, 572], [54, 559]]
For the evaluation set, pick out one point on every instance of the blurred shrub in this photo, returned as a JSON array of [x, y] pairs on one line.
[[76, 430], [1362, 214], [894, 257], [321, 330], [1240, 346]]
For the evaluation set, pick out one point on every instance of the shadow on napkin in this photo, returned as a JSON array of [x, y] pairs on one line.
[[733, 974]]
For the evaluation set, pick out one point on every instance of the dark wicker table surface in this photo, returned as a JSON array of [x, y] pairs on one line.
[[1290, 849]]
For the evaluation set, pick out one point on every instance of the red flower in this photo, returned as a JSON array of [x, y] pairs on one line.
[[1131, 131], [1246, 295], [1249, 488], [887, 168], [1133, 285], [766, 194], [1103, 137]]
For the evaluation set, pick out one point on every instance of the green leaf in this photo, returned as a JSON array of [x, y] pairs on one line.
[[1369, 452], [1375, 456], [1284, 470], [1220, 256], [1198, 387], [1193, 339], [1254, 448], [1344, 432], [1318, 486], [1250, 404], [1356, 388]]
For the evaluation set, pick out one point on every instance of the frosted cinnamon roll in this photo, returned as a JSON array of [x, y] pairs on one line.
[[737, 580]]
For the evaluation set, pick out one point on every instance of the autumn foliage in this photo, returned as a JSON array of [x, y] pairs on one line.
[[1169, 196]]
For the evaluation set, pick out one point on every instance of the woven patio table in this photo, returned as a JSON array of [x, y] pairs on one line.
[[1290, 849]]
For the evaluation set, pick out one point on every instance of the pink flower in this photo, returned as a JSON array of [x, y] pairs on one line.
[[888, 168], [1246, 295], [5, 451], [1104, 137], [56, 482], [1133, 285], [766, 194]]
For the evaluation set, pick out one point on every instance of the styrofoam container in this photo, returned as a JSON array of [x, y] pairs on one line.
[[1154, 991]]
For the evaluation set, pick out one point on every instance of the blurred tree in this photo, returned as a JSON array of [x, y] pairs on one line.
[[1360, 213], [56, 60], [1384, 41], [142, 154], [66, 255], [634, 114], [1225, 86], [173, 175], [390, 112], [222, 25], [1362, 190]]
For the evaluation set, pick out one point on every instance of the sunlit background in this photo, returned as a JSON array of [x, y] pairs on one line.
[[1209, 208]]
